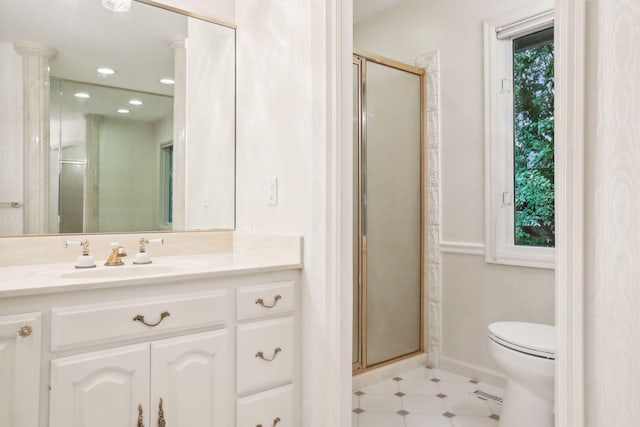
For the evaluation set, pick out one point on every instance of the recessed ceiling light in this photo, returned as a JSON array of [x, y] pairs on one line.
[[135, 102], [123, 111], [167, 81], [83, 95], [106, 71]]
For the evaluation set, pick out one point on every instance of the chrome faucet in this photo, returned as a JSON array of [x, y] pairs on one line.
[[117, 252]]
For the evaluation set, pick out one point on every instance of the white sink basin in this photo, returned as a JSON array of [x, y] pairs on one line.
[[120, 272]]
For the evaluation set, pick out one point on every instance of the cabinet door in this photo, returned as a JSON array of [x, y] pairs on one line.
[[192, 376], [20, 338], [101, 389]]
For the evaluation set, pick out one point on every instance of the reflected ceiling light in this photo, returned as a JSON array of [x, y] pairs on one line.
[[117, 5], [123, 111], [82, 95], [104, 71], [135, 102], [167, 81]]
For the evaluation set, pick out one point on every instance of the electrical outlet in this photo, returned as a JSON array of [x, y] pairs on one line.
[[272, 191], [205, 196]]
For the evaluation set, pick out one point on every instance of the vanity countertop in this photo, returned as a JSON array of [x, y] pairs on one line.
[[63, 277]]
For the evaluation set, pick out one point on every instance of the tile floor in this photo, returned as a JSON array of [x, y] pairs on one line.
[[425, 397]]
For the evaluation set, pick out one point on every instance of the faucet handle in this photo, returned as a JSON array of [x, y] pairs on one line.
[[85, 260], [142, 257]]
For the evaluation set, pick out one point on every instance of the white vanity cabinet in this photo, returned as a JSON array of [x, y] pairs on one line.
[[20, 342], [266, 348], [100, 389], [205, 339], [184, 381]]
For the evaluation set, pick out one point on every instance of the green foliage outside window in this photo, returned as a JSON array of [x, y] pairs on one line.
[[533, 144]]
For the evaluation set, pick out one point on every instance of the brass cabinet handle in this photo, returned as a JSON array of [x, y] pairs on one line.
[[260, 301], [275, 422], [140, 419], [161, 421], [140, 318], [275, 353], [25, 331]]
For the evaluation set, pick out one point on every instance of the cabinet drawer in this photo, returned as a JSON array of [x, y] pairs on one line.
[[98, 323], [261, 300], [265, 352], [266, 408]]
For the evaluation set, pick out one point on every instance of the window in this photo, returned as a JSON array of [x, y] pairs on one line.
[[519, 136], [166, 184]]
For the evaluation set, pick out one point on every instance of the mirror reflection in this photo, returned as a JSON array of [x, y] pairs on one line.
[[119, 145], [114, 122]]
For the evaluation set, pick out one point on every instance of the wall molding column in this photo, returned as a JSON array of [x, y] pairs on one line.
[[430, 62], [92, 172], [35, 71]]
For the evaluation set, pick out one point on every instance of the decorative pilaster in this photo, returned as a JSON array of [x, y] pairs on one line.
[[179, 132], [92, 172], [35, 71], [430, 62]]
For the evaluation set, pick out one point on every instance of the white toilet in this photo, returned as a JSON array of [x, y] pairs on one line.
[[526, 352]]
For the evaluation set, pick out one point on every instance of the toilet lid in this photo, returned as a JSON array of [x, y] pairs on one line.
[[531, 338]]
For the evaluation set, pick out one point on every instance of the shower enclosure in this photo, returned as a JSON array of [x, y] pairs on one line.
[[388, 243]]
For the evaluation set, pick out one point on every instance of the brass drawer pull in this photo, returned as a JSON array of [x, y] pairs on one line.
[[25, 331], [275, 422], [140, 419], [275, 353], [260, 301], [140, 318], [161, 421]]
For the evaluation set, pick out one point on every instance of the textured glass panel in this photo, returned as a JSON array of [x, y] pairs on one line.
[[392, 209]]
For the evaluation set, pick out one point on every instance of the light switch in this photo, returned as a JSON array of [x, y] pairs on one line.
[[272, 191]]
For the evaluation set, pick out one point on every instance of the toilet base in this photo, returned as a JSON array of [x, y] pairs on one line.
[[523, 408]]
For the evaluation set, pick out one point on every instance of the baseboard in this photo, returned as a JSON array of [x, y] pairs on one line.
[[385, 372], [476, 372]]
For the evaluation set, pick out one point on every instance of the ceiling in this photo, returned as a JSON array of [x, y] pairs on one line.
[[105, 101], [87, 36], [365, 9]]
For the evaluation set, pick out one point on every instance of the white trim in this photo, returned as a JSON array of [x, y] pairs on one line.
[[336, 407], [569, 184], [476, 372], [498, 118], [526, 26], [464, 248]]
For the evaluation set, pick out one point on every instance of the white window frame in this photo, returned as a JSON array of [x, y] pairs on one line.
[[499, 165]]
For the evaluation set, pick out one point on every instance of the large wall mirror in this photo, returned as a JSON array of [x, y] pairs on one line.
[[114, 121]]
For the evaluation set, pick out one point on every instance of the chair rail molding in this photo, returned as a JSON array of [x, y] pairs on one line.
[[464, 248]]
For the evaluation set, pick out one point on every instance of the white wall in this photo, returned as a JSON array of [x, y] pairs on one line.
[[612, 215], [474, 293], [282, 131], [10, 138], [210, 148], [221, 10]]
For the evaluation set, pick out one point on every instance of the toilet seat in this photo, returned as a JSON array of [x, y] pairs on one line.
[[530, 338]]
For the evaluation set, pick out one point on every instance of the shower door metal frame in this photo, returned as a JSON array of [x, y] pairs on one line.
[[361, 58]]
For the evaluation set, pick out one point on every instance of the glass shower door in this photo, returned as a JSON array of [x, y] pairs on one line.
[[388, 314], [392, 222]]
